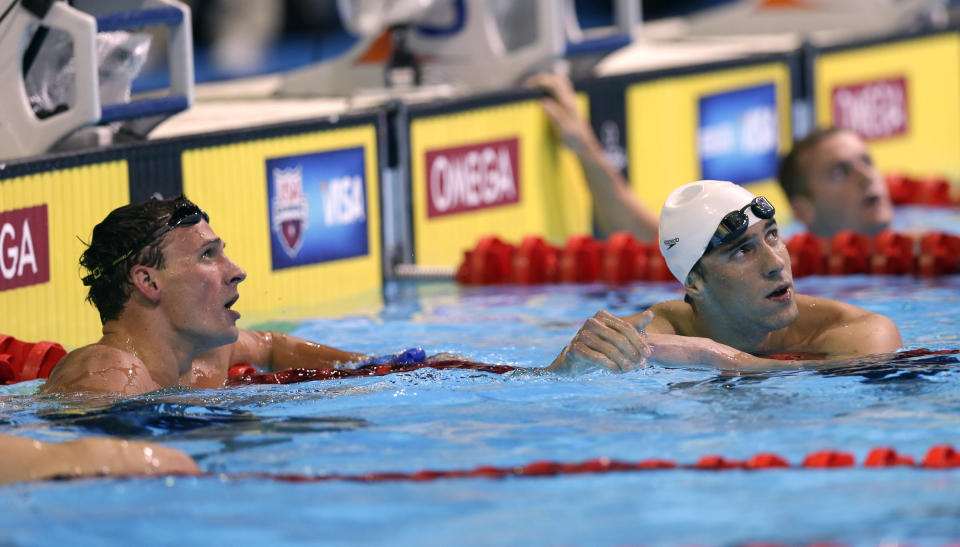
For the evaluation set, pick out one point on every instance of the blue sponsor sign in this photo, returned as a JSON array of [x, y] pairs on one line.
[[738, 136], [317, 206]]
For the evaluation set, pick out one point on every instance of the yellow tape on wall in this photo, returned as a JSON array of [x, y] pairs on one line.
[[76, 199], [662, 127], [492, 171], [930, 69], [230, 183]]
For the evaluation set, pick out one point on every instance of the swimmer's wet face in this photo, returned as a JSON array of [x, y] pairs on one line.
[[197, 287], [749, 279], [846, 191], [154, 225]]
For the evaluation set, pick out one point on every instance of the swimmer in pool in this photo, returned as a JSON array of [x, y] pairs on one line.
[[165, 291], [828, 176], [722, 243], [832, 184], [27, 459]]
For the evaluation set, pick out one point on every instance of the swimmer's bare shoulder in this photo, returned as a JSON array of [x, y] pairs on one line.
[[843, 329], [100, 368]]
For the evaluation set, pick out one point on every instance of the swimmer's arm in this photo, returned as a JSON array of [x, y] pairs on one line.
[[26, 459], [687, 350], [618, 209], [676, 350], [279, 351], [100, 369]]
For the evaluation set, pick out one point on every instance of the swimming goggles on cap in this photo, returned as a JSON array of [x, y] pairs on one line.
[[187, 214], [736, 222]]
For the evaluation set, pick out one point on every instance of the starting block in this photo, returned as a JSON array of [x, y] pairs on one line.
[[24, 133], [476, 45]]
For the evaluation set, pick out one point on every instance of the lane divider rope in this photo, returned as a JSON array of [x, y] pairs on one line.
[[942, 457], [623, 259]]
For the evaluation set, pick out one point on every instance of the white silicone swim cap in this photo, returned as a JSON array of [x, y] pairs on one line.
[[690, 217]]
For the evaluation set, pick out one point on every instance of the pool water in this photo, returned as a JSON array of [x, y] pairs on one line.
[[459, 419]]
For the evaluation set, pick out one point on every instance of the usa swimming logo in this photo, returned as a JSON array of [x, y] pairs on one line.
[[738, 136], [318, 207]]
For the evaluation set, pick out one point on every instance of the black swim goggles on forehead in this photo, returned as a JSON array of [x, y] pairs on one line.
[[186, 214], [736, 222]]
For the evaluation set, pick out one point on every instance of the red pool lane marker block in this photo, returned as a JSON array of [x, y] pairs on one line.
[[887, 457], [906, 190], [580, 260], [829, 459], [849, 254], [892, 254], [489, 263], [943, 456], [902, 188], [535, 262], [24, 361], [935, 191], [939, 255], [624, 259], [717, 463], [807, 254], [766, 460]]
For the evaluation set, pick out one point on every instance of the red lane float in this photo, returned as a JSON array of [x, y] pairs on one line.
[[937, 457], [23, 361], [245, 374], [622, 258], [906, 190]]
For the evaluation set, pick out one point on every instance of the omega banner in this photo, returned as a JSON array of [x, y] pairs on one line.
[[477, 176], [901, 96], [24, 247], [491, 170]]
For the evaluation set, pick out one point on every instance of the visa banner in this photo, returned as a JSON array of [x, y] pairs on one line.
[[738, 132], [317, 207]]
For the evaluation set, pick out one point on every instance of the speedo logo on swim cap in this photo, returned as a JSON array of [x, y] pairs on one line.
[[671, 242]]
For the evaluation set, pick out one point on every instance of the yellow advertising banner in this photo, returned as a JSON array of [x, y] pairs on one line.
[[495, 170], [902, 96], [301, 214], [705, 125], [44, 218]]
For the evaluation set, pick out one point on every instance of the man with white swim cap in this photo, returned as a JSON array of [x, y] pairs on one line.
[[723, 244]]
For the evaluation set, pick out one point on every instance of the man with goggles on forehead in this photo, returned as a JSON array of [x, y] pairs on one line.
[[722, 243], [165, 291]]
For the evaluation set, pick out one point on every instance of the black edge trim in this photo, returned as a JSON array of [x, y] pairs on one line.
[[176, 145]]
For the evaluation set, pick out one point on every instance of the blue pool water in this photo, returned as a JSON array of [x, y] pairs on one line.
[[459, 419]]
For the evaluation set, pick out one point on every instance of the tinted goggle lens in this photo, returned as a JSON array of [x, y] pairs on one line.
[[736, 222]]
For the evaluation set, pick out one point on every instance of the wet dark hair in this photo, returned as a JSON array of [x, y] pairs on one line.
[[792, 173], [116, 235]]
